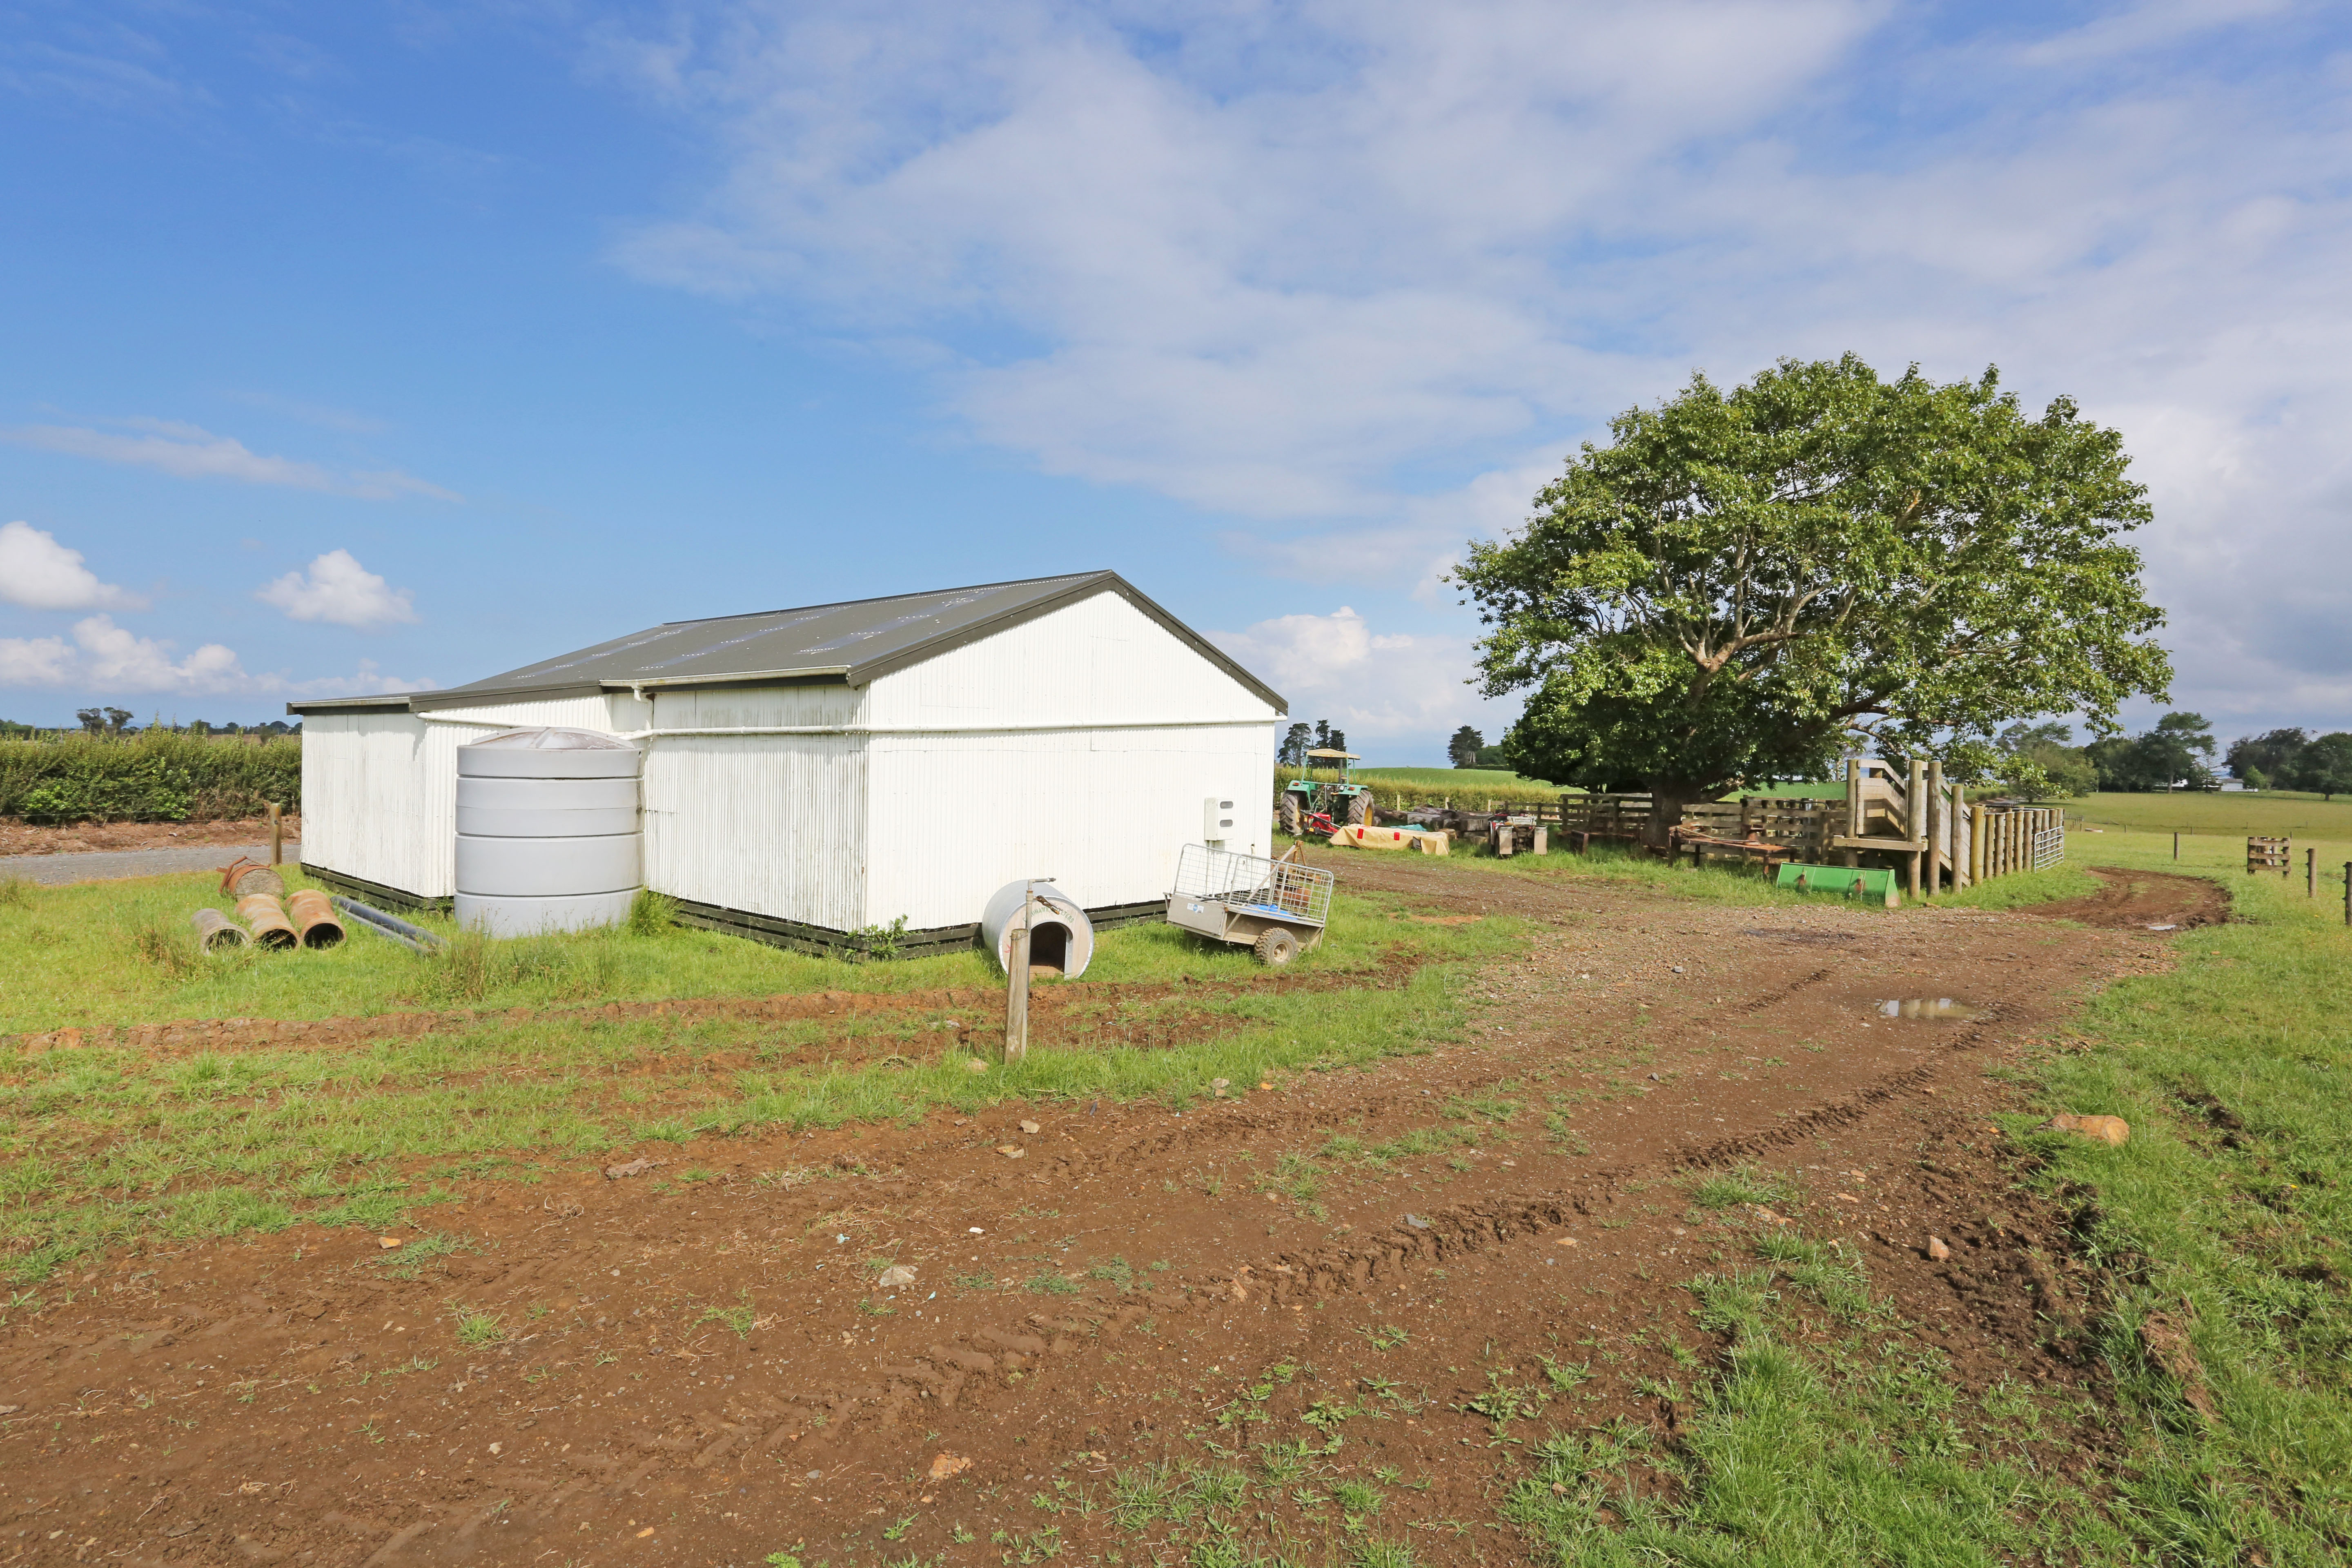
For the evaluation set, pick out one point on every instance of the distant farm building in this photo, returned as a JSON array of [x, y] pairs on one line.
[[809, 773]]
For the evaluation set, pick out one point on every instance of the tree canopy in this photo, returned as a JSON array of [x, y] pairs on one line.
[[1738, 583], [2268, 758], [2177, 751], [2040, 762], [2325, 766]]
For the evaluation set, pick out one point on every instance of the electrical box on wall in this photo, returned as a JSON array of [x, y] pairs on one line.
[[1216, 819]]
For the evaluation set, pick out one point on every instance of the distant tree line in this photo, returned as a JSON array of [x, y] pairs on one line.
[[114, 724], [2293, 759], [1468, 748], [1302, 739], [2176, 753]]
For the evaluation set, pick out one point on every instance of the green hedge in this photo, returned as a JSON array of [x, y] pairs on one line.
[[157, 777]]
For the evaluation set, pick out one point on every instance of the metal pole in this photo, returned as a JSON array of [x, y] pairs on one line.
[[1016, 990]]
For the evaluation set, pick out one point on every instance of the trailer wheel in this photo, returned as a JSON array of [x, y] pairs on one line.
[[1288, 812], [1276, 948]]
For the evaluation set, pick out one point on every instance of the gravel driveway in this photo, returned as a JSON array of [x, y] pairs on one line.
[[105, 865]]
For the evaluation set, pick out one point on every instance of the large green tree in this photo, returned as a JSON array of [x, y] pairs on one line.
[[1741, 583], [2179, 751], [2324, 765]]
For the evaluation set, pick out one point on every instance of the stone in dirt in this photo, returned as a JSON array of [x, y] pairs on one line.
[[387, 1242], [637, 1167], [897, 1275], [2105, 1129], [1010, 1150], [948, 1465], [1937, 1249], [1029, 1127]]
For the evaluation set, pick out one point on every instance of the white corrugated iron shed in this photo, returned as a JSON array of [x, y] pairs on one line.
[[814, 772]]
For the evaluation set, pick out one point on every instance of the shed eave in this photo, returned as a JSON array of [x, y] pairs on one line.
[[484, 697], [807, 675], [396, 702]]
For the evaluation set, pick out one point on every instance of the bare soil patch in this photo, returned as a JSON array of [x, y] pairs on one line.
[[2142, 900], [701, 1364], [20, 837]]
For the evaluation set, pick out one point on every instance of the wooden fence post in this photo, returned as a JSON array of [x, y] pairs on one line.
[[2311, 873], [1934, 826], [276, 835], [1017, 989]]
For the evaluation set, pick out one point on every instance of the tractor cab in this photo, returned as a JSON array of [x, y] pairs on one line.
[[1312, 805]]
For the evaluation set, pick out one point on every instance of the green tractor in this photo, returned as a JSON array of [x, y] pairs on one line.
[[1310, 805]]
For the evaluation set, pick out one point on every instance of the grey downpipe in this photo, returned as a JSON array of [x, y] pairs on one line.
[[399, 930]]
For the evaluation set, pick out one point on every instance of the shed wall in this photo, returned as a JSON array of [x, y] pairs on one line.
[[1098, 661], [379, 790], [969, 793], [1102, 811], [773, 824]]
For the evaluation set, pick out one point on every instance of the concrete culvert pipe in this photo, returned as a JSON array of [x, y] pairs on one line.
[[267, 917], [314, 919], [1061, 937], [216, 932]]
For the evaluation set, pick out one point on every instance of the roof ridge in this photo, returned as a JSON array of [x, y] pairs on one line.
[[886, 598]]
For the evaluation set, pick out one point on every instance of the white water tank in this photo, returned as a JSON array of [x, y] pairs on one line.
[[547, 832]]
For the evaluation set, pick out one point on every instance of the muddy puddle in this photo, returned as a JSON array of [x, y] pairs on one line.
[[1924, 1008]]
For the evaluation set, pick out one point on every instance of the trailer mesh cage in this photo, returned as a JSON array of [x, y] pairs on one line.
[[1253, 884]]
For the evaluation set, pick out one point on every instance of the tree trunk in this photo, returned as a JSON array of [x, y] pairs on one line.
[[1666, 804]]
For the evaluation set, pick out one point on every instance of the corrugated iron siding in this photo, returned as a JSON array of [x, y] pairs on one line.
[[379, 790], [774, 825], [956, 817]]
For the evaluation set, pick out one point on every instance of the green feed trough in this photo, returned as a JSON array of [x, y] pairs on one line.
[[1846, 881]]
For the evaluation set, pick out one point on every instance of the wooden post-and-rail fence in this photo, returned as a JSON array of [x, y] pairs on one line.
[[1927, 826]]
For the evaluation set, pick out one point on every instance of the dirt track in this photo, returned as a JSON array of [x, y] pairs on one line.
[[20, 837], [292, 1399]]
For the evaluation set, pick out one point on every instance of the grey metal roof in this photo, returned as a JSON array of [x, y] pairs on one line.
[[846, 644]]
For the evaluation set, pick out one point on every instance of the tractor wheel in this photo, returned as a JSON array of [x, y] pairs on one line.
[[1288, 812], [1277, 947], [1360, 809]]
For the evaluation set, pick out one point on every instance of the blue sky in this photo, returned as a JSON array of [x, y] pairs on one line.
[[360, 347]]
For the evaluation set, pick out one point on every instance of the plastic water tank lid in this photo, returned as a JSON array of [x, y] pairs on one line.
[[550, 738]]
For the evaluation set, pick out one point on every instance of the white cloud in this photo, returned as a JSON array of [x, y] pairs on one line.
[[1395, 687], [338, 589], [1336, 268], [109, 660], [35, 661], [103, 654], [190, 452], [39, 574]]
